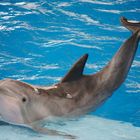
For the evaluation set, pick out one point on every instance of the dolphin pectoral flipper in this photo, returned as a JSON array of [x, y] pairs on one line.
[[44, 130], [76, 71], [132, 26]]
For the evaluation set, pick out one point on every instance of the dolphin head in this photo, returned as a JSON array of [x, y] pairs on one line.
[[10, 109], [19, 102]]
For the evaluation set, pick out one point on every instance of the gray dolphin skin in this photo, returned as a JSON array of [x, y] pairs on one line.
[[76, 94]]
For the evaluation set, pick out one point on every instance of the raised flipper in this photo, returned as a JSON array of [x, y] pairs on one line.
[[43, 130], [132, 26]]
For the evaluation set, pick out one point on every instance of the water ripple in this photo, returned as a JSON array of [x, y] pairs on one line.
[[106, 2], [80, 17], [118, 11]]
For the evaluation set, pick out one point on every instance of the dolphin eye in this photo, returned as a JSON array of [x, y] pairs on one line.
[[24, 99]]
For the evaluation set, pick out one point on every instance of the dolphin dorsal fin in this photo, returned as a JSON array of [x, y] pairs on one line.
[[77, 70]]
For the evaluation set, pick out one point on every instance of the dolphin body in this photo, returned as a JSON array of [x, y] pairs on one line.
[[76, 94]]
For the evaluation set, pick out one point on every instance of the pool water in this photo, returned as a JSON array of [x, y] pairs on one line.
[[39, 42]]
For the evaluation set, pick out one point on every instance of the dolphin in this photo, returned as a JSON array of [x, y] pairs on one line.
[[76, 94]]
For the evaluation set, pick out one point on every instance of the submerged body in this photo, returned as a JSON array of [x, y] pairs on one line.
[[76, 94]]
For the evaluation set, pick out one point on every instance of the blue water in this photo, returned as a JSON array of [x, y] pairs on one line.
[[40, 40]]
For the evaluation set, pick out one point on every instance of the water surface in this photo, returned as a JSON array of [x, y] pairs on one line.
[[40, 40]]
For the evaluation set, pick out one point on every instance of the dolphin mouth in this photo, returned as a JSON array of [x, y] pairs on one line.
[[1, 118]]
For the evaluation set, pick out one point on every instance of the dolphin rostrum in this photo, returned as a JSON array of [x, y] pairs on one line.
[[76, 94]]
